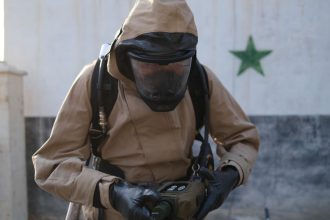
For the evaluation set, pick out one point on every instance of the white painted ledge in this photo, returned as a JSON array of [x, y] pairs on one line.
[[9, 69]]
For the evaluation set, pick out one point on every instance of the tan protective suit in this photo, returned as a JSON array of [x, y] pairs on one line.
[[148, 146]]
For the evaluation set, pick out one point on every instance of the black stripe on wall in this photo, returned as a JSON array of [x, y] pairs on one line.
[[291, 176]]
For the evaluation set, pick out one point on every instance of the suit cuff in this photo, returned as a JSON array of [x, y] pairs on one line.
[[242, 166], [104, 186]]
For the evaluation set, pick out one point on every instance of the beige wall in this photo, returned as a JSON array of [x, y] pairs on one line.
[[52, 40]]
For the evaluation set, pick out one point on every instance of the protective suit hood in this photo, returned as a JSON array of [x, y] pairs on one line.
[[170, 20]]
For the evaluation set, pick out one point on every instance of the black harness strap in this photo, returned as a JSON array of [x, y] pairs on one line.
[[95, 109], [197, 93], [104, 92], [109, 91], [205, 157]]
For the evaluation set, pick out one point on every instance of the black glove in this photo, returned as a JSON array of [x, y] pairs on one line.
[[133, 202], [220, 183]]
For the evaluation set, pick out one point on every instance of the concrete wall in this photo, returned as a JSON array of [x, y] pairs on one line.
[[13, 193], [290, 177]]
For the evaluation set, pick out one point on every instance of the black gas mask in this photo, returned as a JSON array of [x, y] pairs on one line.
[[159, 64], [160, 83]]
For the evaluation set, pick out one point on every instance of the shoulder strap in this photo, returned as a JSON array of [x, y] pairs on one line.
[[197, 92], [108, 87], [110, 92], [95, 116]]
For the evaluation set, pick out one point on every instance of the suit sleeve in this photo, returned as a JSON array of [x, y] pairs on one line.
[[236, 137], [60, 163]]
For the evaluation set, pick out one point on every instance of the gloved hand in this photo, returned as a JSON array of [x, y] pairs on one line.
[[133, 202], [220, 183]]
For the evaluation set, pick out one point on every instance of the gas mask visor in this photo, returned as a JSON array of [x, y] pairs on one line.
[[161, 81]]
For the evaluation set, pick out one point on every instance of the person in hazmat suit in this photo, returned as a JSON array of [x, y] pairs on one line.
[[151, 126]]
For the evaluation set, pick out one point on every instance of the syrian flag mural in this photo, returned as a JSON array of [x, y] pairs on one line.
[[251, 58]]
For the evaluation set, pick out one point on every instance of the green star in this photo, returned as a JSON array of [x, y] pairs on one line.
[[250, 57]]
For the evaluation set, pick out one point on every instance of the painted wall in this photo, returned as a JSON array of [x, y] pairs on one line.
[[2, 30], [52, 40]]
